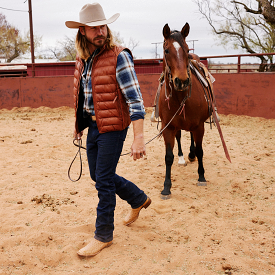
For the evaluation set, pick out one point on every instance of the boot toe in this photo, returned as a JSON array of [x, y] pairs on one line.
[[93, 248], [134, 213]]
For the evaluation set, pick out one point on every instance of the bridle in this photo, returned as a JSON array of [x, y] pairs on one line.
[[170, 83], [169, 74]]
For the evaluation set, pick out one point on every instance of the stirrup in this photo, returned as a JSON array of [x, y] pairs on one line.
[[213, 119], [153, 118]]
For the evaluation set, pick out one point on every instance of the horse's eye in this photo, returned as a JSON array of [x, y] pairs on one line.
[[166, 51]]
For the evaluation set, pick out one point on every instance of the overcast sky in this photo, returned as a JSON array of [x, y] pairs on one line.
[[142, 20]]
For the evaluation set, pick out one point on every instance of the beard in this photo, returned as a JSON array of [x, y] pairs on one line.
[[98, 41]]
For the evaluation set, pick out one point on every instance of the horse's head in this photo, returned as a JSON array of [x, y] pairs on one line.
[[176, 56]]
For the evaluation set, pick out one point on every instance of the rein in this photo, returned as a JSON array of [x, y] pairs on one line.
[[79, 145]]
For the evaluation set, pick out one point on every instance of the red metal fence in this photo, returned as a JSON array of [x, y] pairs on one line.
[[142, 66], [52, 69], [250, 94], [238, 67], [237, 93]]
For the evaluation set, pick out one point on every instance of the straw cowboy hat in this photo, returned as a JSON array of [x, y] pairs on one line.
[[91, 15]]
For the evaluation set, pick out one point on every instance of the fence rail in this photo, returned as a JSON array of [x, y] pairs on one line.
[[142, 66], [238, 67]]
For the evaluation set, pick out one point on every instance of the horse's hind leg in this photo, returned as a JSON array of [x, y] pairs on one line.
[[180, 154], [198, 136], [192, 154]]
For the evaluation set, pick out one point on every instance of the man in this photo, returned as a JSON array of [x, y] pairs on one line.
[[107, 99]]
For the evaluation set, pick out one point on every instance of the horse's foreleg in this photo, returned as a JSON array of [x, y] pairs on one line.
[[192, 154], [180, 154], [198, 136], [169, 159], [199, 154]]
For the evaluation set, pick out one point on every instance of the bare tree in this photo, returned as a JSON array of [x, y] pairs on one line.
[[68, 48], [131, 45], [246, 24], [65, 49], [265, 8], [117, 38]]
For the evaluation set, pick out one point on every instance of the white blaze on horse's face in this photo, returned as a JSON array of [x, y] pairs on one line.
[[177, 47]]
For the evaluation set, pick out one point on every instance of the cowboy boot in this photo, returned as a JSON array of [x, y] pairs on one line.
[[134, 213], [93, 248]]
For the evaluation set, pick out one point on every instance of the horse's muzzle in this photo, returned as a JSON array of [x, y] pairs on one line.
[[180, 85]]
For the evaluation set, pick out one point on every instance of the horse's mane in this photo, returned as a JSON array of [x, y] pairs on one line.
[[176, 35]]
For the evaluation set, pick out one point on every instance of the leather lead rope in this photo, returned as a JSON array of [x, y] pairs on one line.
[[79, 145]]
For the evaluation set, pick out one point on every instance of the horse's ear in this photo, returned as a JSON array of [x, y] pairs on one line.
[[166, 31], [185, 30]]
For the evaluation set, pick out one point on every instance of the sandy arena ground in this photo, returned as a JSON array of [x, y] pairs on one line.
[[227, 227]]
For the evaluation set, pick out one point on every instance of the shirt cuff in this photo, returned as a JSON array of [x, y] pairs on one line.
[[136, 117]]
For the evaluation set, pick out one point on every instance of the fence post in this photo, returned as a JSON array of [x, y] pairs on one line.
[[239, 64], [31, 38]]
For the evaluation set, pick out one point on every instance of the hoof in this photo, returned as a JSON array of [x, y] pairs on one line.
[[165, 197], [165, 194], [182, 161], [201, 183], [191, 159]]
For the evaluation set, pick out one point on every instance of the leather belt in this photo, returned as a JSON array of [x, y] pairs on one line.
[[93, 118]]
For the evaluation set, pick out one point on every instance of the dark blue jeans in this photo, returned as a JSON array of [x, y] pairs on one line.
[[103, 152]]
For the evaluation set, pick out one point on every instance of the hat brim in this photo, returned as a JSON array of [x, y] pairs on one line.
[[75, 25]]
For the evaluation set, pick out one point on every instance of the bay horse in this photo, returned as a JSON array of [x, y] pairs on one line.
[[183, 103]]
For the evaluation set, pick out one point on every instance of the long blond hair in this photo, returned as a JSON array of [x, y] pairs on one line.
[[82, 48]]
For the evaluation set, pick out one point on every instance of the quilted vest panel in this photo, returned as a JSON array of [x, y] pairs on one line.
[[111, 110]]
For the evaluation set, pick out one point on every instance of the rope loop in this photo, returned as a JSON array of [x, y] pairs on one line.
[[79, 145]]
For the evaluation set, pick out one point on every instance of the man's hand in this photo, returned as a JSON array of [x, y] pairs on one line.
[[138, 146], [78, 136]]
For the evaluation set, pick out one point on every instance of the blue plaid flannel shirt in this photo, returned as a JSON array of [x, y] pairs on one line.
[[127, 80]]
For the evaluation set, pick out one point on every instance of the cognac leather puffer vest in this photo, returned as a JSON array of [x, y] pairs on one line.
[[111, 110]]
